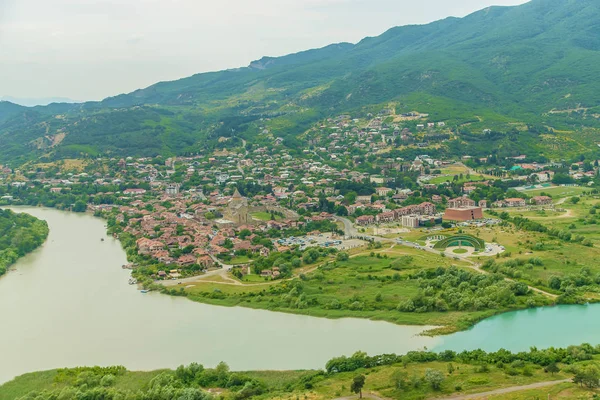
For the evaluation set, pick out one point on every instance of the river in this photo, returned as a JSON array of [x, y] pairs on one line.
[[69, 304]]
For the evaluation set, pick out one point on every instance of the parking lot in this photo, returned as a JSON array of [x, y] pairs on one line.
[[326, 240]]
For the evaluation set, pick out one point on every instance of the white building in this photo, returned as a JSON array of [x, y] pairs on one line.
[[172, 189], [410, 221]]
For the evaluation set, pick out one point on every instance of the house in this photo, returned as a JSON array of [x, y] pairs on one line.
[[134, 192], [541, 200], [427, 208], [388, 216], [363, 199], [365, 220], [515, 202], [186, 260], [382, 192], [147, 246], [483, 203], [399, 197], [205, 261]]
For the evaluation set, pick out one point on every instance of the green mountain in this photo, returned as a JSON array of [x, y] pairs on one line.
[[532, 64]]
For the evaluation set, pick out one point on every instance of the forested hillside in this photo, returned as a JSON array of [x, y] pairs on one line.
[[530, 64]]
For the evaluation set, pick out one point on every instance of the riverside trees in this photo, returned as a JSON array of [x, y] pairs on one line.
[[20, 234]]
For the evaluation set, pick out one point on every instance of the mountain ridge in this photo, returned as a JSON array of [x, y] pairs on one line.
[[507, 63]]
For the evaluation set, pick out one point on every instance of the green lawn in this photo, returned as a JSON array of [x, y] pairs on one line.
[[558, 192], [441, 179], [239, 260], [264, 216]]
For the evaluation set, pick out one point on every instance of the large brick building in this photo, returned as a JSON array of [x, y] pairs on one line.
[[463, 214]]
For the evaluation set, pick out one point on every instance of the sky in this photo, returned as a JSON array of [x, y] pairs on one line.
[[92, 49]]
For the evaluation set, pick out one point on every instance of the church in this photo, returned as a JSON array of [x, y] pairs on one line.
[[237, 210]]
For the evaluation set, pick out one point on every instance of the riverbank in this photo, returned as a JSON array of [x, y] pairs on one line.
[[70, 304], [372, 284], [418, 375], [20, 234]]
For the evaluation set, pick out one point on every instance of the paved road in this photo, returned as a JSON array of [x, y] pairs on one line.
[[512, 389]]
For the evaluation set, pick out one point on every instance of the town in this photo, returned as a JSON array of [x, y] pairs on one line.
[[231, 209]]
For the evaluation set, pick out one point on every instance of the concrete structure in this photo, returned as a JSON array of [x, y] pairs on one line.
[[463, 214]]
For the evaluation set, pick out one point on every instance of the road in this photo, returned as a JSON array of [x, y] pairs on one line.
[[222, 272], [365, 396], [239, 167], [512, 389]]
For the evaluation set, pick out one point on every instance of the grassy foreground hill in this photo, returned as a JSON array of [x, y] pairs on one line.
[[565, 373], [534, 63]]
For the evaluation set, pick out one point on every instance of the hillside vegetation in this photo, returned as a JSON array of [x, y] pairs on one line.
[[416, 375], [531, 64]]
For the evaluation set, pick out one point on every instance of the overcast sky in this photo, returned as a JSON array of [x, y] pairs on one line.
[[91, 49]]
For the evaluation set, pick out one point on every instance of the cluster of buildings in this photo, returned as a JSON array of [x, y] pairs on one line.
[[410, 216]]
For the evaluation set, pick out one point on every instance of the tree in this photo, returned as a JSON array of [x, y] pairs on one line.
[[552, 368], [79, 206], [588, 376], [450, 369], [342, 256], [435, 378], [357, 385]]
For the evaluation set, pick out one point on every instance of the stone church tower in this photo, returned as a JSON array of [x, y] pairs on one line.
[[237, 210]]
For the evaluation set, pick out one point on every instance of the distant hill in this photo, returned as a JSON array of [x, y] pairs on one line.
[[535, 63], [32, 102]]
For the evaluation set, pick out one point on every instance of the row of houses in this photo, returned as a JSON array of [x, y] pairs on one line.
[[409, 215]]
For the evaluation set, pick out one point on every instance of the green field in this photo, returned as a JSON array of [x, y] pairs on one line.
[[264, 216], [558, 192], [560, 265], [471, 178], [239, 260], [381, 284]]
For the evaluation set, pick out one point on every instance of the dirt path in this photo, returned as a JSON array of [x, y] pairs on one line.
[[365, 396], [512, 389]]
